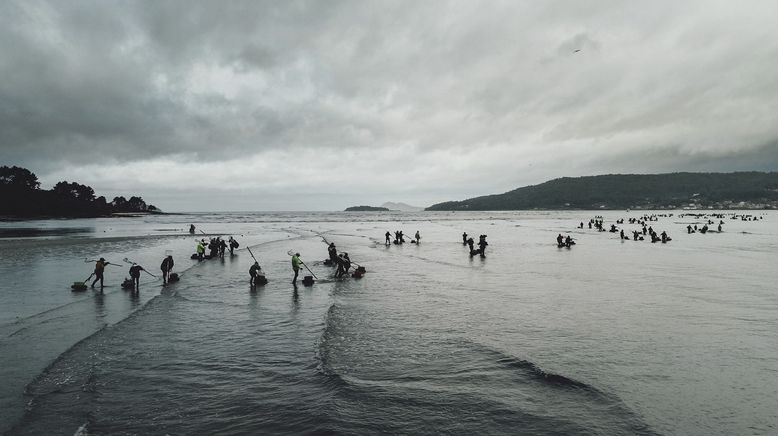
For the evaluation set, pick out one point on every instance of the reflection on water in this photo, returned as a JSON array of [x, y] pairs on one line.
[[295, 299], [134, 299], [30, 232], [99, 300]]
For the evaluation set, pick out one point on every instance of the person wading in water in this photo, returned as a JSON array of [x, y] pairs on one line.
[[166, 267], [99, 271], [135, 270], [296, 266], [254, 272]]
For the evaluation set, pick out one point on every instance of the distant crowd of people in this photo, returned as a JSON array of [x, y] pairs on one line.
[[637, 235], [217, 248], [399, 238]]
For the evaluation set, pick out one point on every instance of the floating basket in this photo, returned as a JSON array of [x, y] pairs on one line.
[[78, 286]]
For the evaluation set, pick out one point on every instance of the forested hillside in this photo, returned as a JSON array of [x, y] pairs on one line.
[[637, 191], [22, 198]]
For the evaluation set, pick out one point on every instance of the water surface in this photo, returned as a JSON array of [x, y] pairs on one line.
[[608, 337]]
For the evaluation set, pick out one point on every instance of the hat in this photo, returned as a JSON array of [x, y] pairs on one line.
[[102, 259]]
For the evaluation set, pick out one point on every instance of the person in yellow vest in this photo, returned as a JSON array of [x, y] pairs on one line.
[[296, 266], [200, 250], [99, 270]]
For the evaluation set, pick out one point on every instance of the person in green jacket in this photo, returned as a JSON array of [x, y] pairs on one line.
[[200, 250], [296, 266]]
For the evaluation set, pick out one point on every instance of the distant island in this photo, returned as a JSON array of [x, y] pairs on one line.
[[402, 207], [741, 190], [366, 209], [22, 198]]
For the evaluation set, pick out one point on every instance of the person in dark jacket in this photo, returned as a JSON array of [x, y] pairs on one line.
[[233, 245], [344, 263], [135, 270], [167, 268], [333, 252], [255, 272], [222, 247], [482, 245]]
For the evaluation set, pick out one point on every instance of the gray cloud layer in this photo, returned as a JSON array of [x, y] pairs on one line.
[[413, 101]]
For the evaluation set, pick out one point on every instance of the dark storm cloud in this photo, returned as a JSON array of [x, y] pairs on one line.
[[111, 79], [440, 99]]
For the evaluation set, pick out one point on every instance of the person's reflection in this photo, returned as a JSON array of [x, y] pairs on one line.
[[99, 306], [134, 299], [295, 298]]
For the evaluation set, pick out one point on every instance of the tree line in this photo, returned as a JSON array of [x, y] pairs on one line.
[[22, 198]]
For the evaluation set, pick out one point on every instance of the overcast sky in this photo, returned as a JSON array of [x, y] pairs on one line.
[[303, 105]]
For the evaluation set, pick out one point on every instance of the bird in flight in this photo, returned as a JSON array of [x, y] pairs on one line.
[[576, 50]]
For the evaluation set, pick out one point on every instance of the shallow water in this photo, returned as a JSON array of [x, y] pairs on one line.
[[608, 337]]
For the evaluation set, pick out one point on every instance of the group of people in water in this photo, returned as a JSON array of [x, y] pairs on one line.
[[482, 244], [637, 235], [343, 263], [721, 216], [399, 238], [256, 276], [565, 242], [704, 229], [646, 230], [133, 282], [216, 246]]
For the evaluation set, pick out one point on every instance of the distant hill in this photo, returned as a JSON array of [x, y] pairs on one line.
[[402, 207], [746, 190], [366, 209]]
